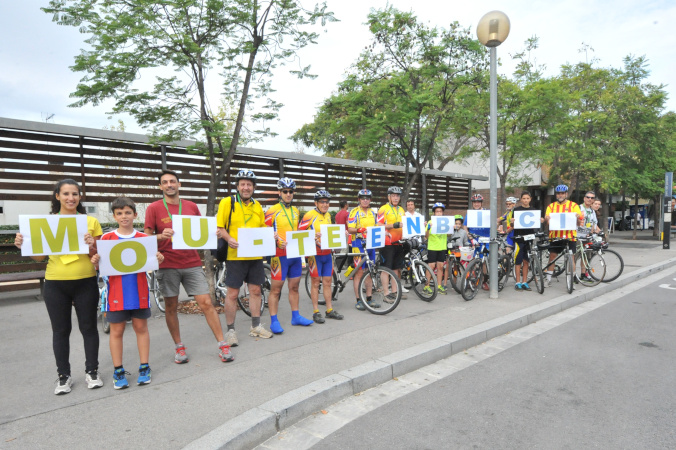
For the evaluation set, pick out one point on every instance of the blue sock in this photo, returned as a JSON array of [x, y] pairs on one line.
[[297, 319], [294, 314], [275, 326]]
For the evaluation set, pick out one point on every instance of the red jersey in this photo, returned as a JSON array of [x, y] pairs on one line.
[[157, 219], [126, 292]]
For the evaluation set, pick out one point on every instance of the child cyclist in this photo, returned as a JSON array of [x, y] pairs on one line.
[[437, 251], [508, 220], [128, 298], [523, 246]]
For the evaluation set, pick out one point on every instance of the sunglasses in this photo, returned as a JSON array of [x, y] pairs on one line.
[[591, 198], [287, 191], [323, 202]]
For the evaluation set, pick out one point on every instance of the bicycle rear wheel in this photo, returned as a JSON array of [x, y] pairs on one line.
[[308, 287], [593, 268], [379, 304], [420, 272], [470, 283], [614, 265], [503, 271], [537, 275], [568, 268], [155, 290], [455, 272]]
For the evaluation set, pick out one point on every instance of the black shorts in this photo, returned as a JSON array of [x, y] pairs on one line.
[[557, 247], [393, 256], [127, 314], [248, 271], [521, 251], [434, 256]]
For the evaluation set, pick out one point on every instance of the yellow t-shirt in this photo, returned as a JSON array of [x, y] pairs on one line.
[[391, 214], [68, 267], [243, 216]]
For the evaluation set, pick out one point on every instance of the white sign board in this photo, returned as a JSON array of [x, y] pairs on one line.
[[256, 242], [412, 226], [194, 233], [441, 224], [478, 218], [53, 234], [127, 256], [300, 243], [562, 221], [375, 237], [332, 236], [526, 219]]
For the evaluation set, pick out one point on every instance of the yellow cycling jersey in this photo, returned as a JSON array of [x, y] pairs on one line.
[[312, 220], [283, 220], [360, 219], [391, 214], [243, 216]]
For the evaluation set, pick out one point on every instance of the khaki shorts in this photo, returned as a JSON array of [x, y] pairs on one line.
[[193, 279]]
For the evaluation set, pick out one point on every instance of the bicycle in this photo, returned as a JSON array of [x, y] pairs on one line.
[[614, 262], [417, 274], [456, 264], [154, 289], [477, 269], [379, 304], [334, 277], [243, 296], [536, 273], [593, 270], [103, 302]]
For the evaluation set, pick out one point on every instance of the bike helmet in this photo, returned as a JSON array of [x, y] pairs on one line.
[[322, 194], [511, 200], [561, 188], [245, 175], [364, 193], [286, 183], [394, 190], [438, 205], [477, 198], [459, 217]]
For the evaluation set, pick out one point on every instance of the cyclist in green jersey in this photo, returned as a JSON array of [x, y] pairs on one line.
[[436, 251]]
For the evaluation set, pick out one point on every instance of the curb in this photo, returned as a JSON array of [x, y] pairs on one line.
[[258, 424]]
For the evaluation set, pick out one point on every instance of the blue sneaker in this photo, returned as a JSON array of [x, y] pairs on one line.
[[300, 320], [518, 286], [360, 306], [276, 327], [525, 287], [144, 374], [120, 379]]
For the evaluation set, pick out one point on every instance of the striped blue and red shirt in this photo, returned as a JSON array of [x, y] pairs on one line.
[[126, 292]]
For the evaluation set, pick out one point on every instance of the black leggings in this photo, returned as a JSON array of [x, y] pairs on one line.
[[60, 296]]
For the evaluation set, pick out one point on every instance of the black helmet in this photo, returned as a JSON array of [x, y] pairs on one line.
[[394, 190]]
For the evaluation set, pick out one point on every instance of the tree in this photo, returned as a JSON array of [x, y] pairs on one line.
[[241, 40], [244, 40], [398, 100]]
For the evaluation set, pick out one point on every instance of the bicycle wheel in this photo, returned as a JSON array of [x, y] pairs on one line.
[[419, 275], [614, 265], [503, 271], [455, 272], [470, 283], [103, 293], [593, 269], [267, 284], [308, 287], [537, 275], [243, 300], [518, 269], [568, 268], [154, 287], [379, 304]]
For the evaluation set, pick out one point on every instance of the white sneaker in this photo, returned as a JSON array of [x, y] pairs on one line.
[[549, 282], [404, 290], [231, 338], [63, 385], [260, 332], [93, 380]]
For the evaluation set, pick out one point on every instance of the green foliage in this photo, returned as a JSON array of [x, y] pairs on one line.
[[400, 97]]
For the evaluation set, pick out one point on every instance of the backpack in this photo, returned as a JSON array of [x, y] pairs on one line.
[[221, 253]]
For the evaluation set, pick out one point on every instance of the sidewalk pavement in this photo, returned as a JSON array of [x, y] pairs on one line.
[[272, 383]]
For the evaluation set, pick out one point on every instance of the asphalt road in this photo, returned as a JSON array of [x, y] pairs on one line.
[[602, 380]]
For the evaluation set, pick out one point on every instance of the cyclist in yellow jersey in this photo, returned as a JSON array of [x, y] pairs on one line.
[[235, 212], [284, 217], [321, 265], [391, 215], [561, 205], [359, 219]]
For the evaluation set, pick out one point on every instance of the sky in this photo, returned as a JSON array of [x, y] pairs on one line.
[[35, 55]]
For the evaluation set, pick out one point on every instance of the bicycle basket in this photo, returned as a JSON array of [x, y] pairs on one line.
[[466, 253]]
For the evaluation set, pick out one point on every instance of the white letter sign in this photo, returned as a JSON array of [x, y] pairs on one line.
[[194, 233], [127, 256], [53, 235], [412, 226], [333, 236], [300, 243], [526, 219], [442, 224], [478, 218], [255, 242], [562, 221], [375, 237]]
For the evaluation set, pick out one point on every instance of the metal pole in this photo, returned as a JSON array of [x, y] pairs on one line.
[[493, 254]]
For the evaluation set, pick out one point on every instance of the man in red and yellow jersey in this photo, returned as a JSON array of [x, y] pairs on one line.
[[391, 215], [359, 219], [561, 205], [284, 218], [321, 265]]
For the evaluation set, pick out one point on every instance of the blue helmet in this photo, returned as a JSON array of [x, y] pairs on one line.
[[245, 174], [364, 193], [322, 194], [561, 188], [438, 205], [286, 183]]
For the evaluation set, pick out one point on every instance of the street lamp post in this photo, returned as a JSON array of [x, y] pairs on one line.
[[492, 31]]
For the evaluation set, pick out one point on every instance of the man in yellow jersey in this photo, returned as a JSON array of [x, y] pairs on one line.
[[235, 212], [284, 218], [561, 205], [359, 219], [391, 215], [320, 266]]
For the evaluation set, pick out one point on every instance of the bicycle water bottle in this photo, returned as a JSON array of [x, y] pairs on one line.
[[349, 271]]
